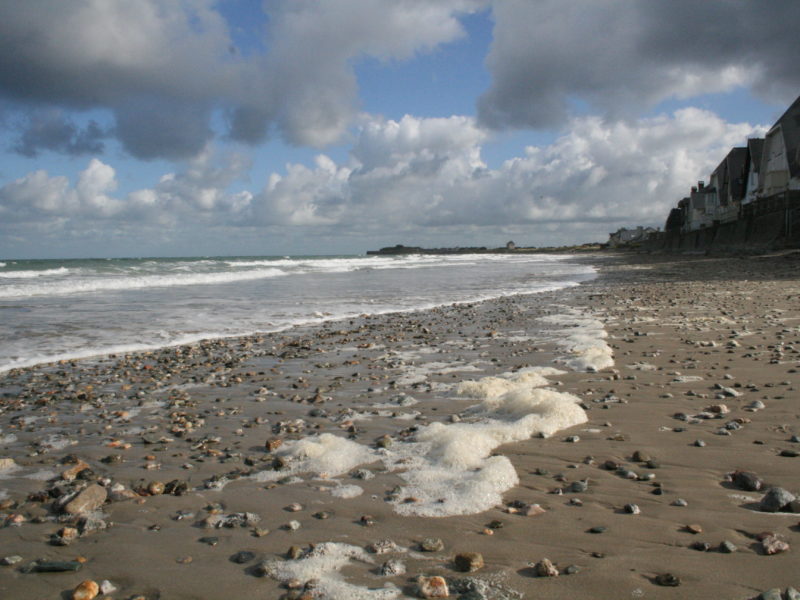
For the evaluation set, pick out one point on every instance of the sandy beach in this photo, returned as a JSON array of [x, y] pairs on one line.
[[312, 463]]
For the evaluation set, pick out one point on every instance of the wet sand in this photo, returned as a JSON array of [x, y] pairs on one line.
[[688, 335]]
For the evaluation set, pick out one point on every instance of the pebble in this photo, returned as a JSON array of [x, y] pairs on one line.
[[65, 536], [545, 568], [668, 580], [13, 559], [578, 487], [531, 510], [680, 502], [468, 561], [382, 547], [86, 590], [746, 480], [243, 556], [727, 547], [432, 587], [393, 567], [775, 500], [53, 566], [91, 498], [597, 529], [773, 544], [632, 509], [694, 528], [431, 545], [699, 443]]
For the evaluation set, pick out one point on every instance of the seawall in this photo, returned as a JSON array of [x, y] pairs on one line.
[[767, 224]]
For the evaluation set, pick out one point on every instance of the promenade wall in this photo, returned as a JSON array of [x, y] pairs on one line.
[[767, 224]]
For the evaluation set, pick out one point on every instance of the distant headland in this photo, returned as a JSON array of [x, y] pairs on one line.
[[509, 248]]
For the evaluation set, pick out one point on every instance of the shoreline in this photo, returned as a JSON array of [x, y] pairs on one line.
[[658, 311]]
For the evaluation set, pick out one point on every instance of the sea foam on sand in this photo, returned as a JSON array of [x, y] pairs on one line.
[[448, 468], [325, 455], [584, 338], [323, 565]]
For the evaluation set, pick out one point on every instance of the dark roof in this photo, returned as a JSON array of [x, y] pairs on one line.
[[755, 148]]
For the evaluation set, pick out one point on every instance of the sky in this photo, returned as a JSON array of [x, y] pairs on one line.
[[246, 127]]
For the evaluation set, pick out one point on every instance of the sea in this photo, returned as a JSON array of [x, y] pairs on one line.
[[56, 309]]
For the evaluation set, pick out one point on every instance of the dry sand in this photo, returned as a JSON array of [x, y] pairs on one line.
[[688, 335]]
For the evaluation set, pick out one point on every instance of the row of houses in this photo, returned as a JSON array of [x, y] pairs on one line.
[[752, 177]]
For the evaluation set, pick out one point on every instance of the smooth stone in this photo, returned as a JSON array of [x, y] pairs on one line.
[[597, 529], [86, 590], [572, 570], [87, 500], [775, 499], [53, 566], [632, 509], [432, 587], [578, 487], [532, 510], [792, 594], [10, 560], [727, 547], [242, 557], [773, 594], [468, 561], [747, 480], [106, 587]]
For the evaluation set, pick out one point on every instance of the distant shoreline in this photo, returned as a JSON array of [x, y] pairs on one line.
[[400, 250]]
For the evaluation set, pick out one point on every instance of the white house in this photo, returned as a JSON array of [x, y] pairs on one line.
[[780, 160]]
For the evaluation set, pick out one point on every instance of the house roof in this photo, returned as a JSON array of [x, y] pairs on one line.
[[755, 148]]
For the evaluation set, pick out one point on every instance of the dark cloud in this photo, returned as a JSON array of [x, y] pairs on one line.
[[150, 128], [623, 56], [52, 130], [83, 54]]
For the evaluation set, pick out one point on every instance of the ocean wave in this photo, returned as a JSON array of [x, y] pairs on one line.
[[32, 274], [82, 286]]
